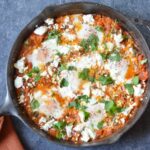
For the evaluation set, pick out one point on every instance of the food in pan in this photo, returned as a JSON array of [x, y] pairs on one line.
[[80, 77]]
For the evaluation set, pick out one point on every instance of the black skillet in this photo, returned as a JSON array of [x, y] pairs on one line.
[[11, 106]]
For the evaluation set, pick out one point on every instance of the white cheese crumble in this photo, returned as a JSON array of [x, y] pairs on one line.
[[41, 30], [118, 39], [69, 130], [128, 109], [87, 133], [86, 89], [18, 82], [20, 65], [88, 19], [69, 36], [42, 120], [109, 46], [48, 125], [49, 21], [97, 92], [138, 91]]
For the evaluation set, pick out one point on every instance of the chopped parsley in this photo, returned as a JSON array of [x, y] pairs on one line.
[[105, 80], [84, 75], [64, 83], [104, 56], [99, 28], [77, 102], [34, 71], [112, 108], [91, 43], [54, 34], [72, 68], [86, 115], [84, 98], [35, 104], [115, 56], [37, 78], [100, 125], [135, 80], [60, 127], [129, 88]]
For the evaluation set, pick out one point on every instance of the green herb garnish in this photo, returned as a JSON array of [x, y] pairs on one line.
[[105, 80], [100, 29], [84, 75], [64, 83], [104, 56], [130, 88], [86, 115], [35, 104], [91, 43], [54, 34], [34, 70], [60, 126], [115, 56], [135, 80], [111, 107], [100, 125], [72, 68], [37, 78]]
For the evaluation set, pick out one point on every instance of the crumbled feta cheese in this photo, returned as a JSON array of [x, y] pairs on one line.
[[97, 92], [69, 36], [48, 125], [88, 19], [49, 21], [138, 91], [55, 26], [41, 30], [81, 115], [21, 99], [118, 39], [110, 46], [85, 136], [79, 127], [42, 120], [128, 109], [69, 130], [20, 65], [44, 73], [26, 77], [91, 133], [86, 89], [18, 82]]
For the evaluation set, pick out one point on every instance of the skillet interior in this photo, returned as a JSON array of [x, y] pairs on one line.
[[66, 9]]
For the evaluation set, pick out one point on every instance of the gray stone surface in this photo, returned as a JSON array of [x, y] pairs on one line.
[[14, 15]]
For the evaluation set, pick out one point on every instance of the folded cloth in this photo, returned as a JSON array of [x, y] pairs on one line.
[[8, 137]]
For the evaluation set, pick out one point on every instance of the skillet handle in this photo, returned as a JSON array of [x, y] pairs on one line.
[[7, 108]]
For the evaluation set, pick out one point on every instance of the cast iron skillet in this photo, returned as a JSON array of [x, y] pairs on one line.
[[11, 107]]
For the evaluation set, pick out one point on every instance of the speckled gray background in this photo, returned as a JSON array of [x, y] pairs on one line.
[[14, 15]]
